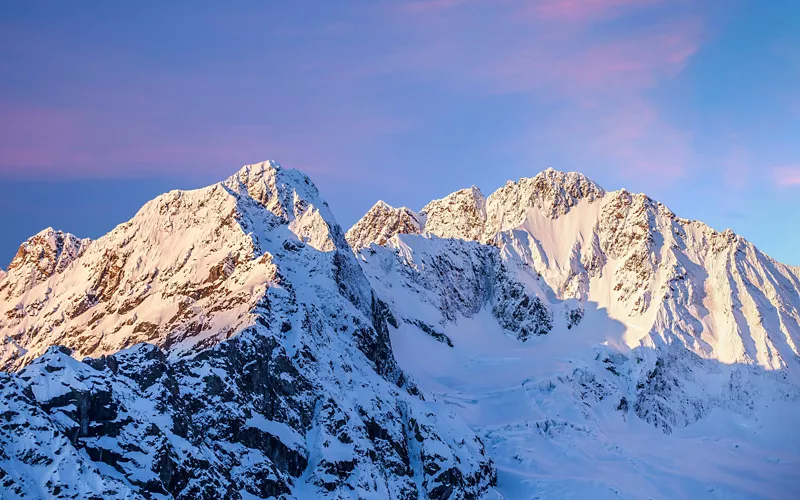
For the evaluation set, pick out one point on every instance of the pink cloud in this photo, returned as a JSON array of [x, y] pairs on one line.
[[584, 10], [532, 53], [562, 11], [38, 141], [598, 82], [33, 137], [787, 176], [577, 69]]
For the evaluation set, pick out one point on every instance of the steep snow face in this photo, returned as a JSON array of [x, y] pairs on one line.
[[672, 280], [653, 329], [239, 351], [381, 223]]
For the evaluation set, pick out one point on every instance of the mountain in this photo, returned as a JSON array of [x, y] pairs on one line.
[[673, 279], [559, 317], [237, 351], [551, 340]]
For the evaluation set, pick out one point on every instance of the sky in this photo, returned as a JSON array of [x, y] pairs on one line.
[[105, 105]]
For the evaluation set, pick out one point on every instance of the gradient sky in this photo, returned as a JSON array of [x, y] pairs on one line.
[[104, 105]]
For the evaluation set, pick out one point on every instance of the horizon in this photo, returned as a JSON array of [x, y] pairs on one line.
[[105, 106]]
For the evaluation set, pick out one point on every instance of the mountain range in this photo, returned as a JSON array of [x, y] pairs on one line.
[[550, 340]]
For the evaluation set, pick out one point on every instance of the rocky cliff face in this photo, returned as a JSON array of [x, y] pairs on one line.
[[381, 223], [454, 278], [236, 350], [461, 214]]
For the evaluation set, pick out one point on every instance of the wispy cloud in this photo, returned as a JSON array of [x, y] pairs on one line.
[[599, 81], [313, 97], [584, 10], [786, 176], [65, 143]]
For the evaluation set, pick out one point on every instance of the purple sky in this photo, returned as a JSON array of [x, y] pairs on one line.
[[106, 104]]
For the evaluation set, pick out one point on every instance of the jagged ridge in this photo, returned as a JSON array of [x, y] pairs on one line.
[[267, 368]]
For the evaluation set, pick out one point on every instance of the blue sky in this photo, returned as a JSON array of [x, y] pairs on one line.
[[104, 105]]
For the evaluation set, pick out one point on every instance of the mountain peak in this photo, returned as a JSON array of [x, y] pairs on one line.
[[292, 197], [576, 184], [468, 214], [461, 214], [271, 185], [380, 223], [551, 191], [267, 170], [181, 251], [244, 299], [44, 254]]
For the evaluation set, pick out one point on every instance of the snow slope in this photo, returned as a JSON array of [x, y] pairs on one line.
[[665, 364]]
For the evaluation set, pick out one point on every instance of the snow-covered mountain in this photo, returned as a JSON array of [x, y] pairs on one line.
[[237, 351], [549, 340], [559, 318], [670, 279]]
